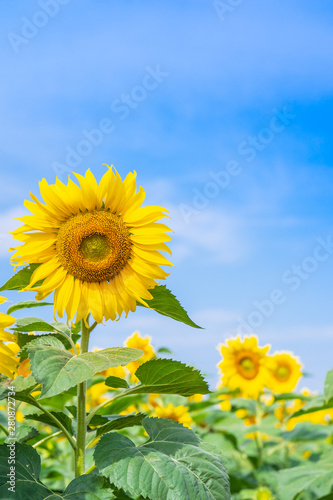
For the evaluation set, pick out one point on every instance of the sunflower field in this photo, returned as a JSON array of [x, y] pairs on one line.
[[129, 421]]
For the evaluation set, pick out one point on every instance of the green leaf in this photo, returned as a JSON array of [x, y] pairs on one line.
[[328, 388], [25, 338], [306, 431], [27, 484], [166, 376], [22, 388], [32, 324], [27, 470], [21, 279], [23, 433], [27, 305], [164, 350], [23, 383], [88, 487], [120, 422], [58, 370], [172, 465], [315, 404], [165, 303], [116, 382], [316, 478], [64, 419]]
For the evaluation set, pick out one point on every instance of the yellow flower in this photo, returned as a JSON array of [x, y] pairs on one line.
[[97, 249], [196, 398], [244, 365], [137, 342], [96, 395], [285, 373], [179, 413], [8, 350], [264, 494], [318, 417], [117, 371]]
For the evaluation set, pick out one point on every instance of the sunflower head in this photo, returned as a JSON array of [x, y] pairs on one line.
[[10, 365], [96, 247], [244, 365], [286, 370], [136, 341], [178, 413]]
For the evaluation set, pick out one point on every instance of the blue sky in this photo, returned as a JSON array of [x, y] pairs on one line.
[[185, 95]]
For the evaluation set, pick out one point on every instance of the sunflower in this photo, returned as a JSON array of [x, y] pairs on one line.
[[178, 413], [9, 363], [245, 365], [285, 373], [97, 248], [137, 342]]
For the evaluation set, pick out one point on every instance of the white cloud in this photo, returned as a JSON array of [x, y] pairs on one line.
[[216, 235]]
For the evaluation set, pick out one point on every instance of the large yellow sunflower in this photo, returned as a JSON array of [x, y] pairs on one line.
[[244, 366], [285, 372], [97, 249]]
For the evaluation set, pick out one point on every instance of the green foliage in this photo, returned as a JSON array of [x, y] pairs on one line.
[[165, 303], [21, 279], [172, 464], [28, 485], [27, 304], [166, 376], [120, 422], [116, 383], [32, 324], [23, 433], [64, 419], [316, 478], [328, 388], [58, 370]]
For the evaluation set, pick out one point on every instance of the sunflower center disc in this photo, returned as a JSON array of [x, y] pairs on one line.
[[282, 372], [248, 367], [93, 246]]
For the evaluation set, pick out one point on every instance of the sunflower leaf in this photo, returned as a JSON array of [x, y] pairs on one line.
[[166, 376], [21, 279], [23, 433], [58, 370], [120, 422], [328, 388], [28, 485], [32, 324], [64, 419], [165, 303], [116, 382], [172, 464], [27, 304], [316, 479]]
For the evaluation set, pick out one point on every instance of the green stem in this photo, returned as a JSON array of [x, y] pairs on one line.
[[93, 467], [4, 429], [81, 409], [59, 424], [50, 436], [105, 403], [69, 339], [258, 434]]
